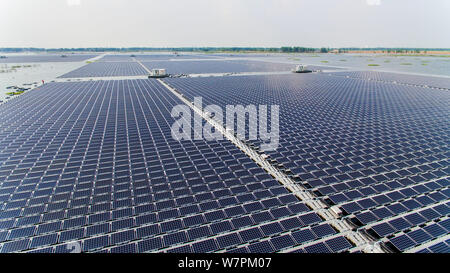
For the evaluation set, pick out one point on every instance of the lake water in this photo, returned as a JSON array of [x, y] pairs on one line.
[[439, 66], [26, 73]]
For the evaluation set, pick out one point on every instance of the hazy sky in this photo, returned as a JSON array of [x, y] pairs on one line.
[[176, 23]]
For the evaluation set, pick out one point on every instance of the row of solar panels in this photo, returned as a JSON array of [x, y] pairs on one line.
[[189, 230], [146, 191], [167, 130], [152, 57], [425, 81], [404, 165], [107, 69], [132, 68]]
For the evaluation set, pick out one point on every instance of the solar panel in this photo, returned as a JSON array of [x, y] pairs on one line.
[[419, 236], [303, 236], [95, 243], [149, 244], [228, 240], [128, 248], [338, 244], [282, 242], [402, 242], [15, 246], [261, 247], [205, 246], [175, 238], [317, 248], [439, 248], [323, 230]]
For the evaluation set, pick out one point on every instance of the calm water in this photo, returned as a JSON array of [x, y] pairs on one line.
[[32, 72], [406, 64]]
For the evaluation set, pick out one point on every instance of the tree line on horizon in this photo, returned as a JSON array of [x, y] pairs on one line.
[[284, 49]]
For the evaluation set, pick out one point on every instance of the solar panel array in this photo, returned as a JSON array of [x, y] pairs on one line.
[[174, 57], [40, 58], [213, 66], [107, 69], [150, 57], [378, 151], [95, 163], [117, 58], [424, 81], [442, 247]]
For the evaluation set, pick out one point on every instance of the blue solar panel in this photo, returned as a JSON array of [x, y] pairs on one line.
[[303, 236], [402, 242], [226, 241], [149, 244], [317, 248], [419, 236], [282, 242], [338, 244], [261, 247], [205, 246], [128, 248]]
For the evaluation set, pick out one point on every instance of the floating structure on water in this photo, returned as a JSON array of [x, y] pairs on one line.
[[158, 73]]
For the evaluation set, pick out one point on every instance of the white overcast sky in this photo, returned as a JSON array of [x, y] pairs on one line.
[[177, 23]]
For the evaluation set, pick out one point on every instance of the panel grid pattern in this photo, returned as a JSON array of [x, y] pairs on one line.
[[377, 150], [95, 163], [107, 69]]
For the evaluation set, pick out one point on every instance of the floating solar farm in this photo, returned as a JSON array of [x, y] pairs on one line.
[[216, 66], [107, 69], [362, 164], [152, 57]]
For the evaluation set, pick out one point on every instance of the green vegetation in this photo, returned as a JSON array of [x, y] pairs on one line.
[[324, 61], [287, 49], [405, 63], [14, 93], [343, 60], [387, 61], [373, 65]]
